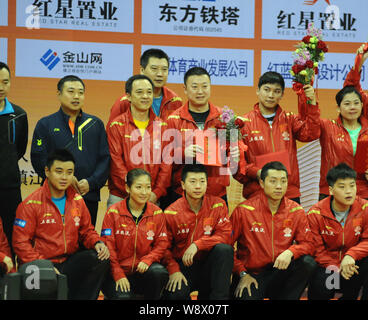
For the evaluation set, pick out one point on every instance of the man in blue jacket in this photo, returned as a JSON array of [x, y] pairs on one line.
[[13, 144], [82, 134]]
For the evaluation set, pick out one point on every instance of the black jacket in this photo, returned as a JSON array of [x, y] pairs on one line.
[[13, 144], [88, 145]]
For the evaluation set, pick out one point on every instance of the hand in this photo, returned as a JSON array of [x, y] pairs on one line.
[[189, 255], [365, 55], [283, 260], [175, 281], [153, 198], [75, 184], [56, 271], [245, 282], [142, 267], [83, 186], [123, 284], [348, 267], [9, 264], [191, 151], [103, 252], [310, 94]]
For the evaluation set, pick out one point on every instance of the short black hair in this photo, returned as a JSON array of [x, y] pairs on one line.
[[135, 173], [153, 53], [195, 71], [60, 84], [341, 171], [197, 168], [271, 77], [273, 165], [344, 91], [129, 82], [3, 65], [60, 155]]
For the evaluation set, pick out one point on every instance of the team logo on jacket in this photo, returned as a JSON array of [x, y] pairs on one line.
[[286, 136], [47, 219], [357, 226], [287, 228], [150, 226], [182, 229], [207, 225], [257, 227], [76, 216], [328, 231]]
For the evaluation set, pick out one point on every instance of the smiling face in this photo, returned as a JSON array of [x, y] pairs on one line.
[[269, 96], [60, 176], [71, 96], [141, 96], [198, 90], [140, 190], [350, 107]]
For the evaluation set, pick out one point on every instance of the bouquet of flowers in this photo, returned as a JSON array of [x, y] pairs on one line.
[[231, 124], [308, 54]]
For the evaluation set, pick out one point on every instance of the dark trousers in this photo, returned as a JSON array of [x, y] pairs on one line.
[[278, 284], [323, 285], [150, 284], [85, 274], [9, 199], [210, 276], [93, 210]]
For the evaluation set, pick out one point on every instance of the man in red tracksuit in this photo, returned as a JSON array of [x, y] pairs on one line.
[[339, 224], [155, 65], [274, 244], [134, 139], [198, 227], [52, 222], [197, 114], [272, 132]]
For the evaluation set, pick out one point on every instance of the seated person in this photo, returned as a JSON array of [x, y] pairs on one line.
[[198, 226], [274, 245], [339, 224], [50, 224], [135, 232]]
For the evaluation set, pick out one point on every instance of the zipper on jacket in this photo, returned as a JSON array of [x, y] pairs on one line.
[[273, 249], [273, 145], [343, 241], [195, 227], [135, 246]]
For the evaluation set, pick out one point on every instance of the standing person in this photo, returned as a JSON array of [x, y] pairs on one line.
[[339, 224], [340, 138], [155, 65], [198, 227], [269, 129], [353, 77], [198, 113], [135, 232], [52, 222], [134, 139], [274, 244], [82, 134], [13, 144]]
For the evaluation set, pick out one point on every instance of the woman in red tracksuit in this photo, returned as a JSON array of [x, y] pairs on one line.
[[6, 262], [135, 232]]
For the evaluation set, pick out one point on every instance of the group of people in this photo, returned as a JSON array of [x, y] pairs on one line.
[[167, 230]]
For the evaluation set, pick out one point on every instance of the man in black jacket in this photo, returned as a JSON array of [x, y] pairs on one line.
[[13, 144], [82, 134]]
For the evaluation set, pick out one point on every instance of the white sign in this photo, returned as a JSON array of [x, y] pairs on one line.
[[55, 59], [211, 18], [228, 67], [4, 50], [97, 15], [3, 12], [340, 20], [332, 71]]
